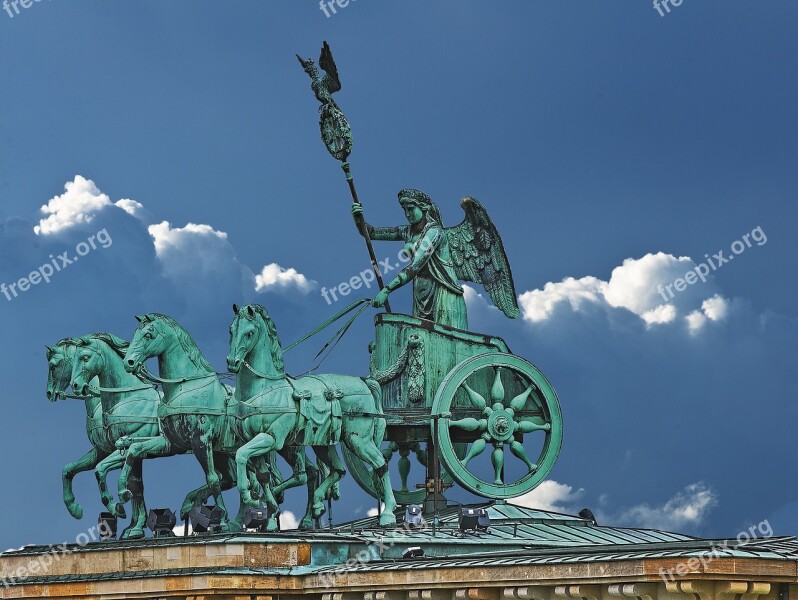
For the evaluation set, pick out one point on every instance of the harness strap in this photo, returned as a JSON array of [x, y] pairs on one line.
[[147, 375]]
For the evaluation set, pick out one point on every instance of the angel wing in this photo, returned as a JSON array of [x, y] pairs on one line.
[[326, 62], [478, 256]]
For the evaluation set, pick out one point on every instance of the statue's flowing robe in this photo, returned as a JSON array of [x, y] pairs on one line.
[[437, 295]]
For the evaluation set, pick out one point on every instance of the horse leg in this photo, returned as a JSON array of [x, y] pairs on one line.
[[202, 445], [261, 444], [194, 498], [327, 455], [151, 448], [85, 463], [138, 517], [298, 476], [115, 460], [366, 448], [304, 473]]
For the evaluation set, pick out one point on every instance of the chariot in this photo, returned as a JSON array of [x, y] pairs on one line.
[[450, 395]]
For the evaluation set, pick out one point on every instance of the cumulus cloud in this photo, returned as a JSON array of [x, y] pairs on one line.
[[686, 510], [134, 209], [637, 286], [79, 204], [273, 276], [551, 496], [288, 520]]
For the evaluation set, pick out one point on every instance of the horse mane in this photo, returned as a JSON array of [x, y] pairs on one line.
[[276, 346], [186, 341], [117, 344]]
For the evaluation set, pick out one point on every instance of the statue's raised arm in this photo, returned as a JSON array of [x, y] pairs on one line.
[[478, 256]]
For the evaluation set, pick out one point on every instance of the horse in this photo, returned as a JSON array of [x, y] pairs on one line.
[[59, 371], [194, 417], [275, 411], [129, 408], [193, 411]]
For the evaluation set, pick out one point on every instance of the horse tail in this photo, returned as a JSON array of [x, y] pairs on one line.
[[376, 392]]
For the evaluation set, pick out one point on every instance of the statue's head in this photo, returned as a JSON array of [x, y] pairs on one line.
[[418, 206]]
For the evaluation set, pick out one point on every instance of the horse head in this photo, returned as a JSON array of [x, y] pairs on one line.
[[87, 363], [59, 368], [245, 332], [148, 341]]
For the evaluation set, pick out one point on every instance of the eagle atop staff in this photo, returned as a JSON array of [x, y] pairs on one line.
[[323, 87], [335, 129]]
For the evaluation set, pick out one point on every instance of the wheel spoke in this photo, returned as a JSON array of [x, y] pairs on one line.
[[497, 458], [497, 390], [476, 399], [469, 424], [475, 450], [533, 424], [519, 401], [518, 450]]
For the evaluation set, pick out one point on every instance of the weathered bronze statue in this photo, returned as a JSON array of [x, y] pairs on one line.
[[440, 256], [435, 390]]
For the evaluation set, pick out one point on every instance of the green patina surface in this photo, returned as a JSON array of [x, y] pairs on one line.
[[436, 397]]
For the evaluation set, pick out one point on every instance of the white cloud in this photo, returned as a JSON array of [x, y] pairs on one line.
[[539, 305], [716, 308], [688, 508], [372, 512], [712, 309], [638, 286], [168, 238], [288, 520], [660, 315], [78, 204], [550, 495], [273, 276], [134, 209]]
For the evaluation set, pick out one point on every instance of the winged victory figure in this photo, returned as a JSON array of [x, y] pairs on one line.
[[440, 257]]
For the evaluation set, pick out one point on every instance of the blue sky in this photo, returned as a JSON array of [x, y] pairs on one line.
[[613, 147]]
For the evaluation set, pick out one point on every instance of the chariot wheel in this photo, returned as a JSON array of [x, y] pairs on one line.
[[501, 401], [407, 466]]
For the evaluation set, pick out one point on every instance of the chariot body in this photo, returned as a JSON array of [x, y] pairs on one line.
[[451, 395]]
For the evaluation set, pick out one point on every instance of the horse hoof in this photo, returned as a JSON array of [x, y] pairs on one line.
[[76, 510], [306, 524], [132, 534], [318, 510], [272, 525], [119, 511], [387, 519]]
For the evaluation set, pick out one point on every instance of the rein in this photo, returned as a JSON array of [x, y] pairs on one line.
[[147, 375], [122, 390]]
